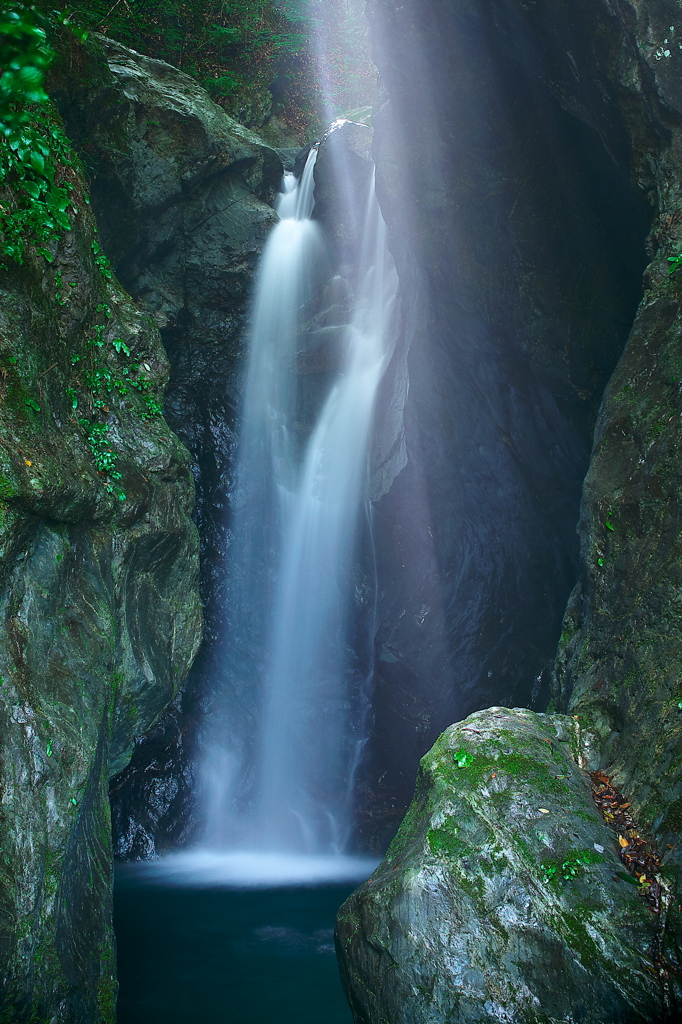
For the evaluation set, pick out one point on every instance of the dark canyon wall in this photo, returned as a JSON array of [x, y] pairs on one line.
[[499, 896], [503, 169], [620, 656]]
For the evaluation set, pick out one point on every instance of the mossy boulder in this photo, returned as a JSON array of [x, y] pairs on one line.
[[502, 897]]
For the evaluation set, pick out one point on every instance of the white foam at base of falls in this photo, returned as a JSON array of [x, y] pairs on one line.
[[249, 869]]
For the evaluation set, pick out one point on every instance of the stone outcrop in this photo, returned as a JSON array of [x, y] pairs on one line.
[[99, 606], [620, 655], [183, 196]]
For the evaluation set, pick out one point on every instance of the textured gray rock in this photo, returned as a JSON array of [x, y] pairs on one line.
[[182, 194], [500, 898], [99, 609]]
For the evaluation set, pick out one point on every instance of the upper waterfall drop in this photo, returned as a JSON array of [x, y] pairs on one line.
[[278, 772]]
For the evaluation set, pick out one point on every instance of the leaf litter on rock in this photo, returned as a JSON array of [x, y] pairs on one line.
[[640, 857], [638, 854]]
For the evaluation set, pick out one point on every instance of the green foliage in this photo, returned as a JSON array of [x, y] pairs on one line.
[[24, 58], [154, 408], [101, 260], [36, 185], [462, 758], [95, 381], [676, 263], [244, 49], [104, 456], [35, 209], [35, 155], [105, 459], [226, 45]]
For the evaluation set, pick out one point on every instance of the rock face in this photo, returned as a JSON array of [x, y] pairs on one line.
[[182, 194], [500, 897], [504, 176], [99, 608], [620, 655], [441, 895]]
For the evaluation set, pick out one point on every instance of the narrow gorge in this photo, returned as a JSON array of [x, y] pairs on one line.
[[339, 513]]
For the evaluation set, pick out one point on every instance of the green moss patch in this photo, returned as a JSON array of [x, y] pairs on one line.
[[475, 769], [558, 870]]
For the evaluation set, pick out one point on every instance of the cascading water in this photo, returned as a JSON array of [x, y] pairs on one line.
[[306, 752], [288, 270], [278, 773]]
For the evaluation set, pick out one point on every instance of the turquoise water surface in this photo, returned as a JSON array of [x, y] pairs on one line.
[[221, 956]]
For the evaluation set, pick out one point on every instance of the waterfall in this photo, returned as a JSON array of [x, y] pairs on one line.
[[306, 753], [285, 742]]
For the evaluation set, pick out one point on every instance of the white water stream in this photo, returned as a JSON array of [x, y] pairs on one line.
[[278, 775]]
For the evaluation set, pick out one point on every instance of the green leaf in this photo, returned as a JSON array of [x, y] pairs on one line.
[[32, 188], [627, 878], [462, 758], [37, 162], [31, 75]]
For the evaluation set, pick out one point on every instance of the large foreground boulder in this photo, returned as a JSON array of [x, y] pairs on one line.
[[502, 897]]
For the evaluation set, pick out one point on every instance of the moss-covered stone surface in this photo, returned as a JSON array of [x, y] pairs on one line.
[[99, 611], [501, 897]]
